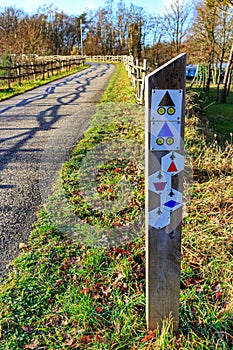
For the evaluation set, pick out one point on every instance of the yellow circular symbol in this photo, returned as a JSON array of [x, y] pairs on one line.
[[170, 140], [161, 110], [160, 141], [171, 110]]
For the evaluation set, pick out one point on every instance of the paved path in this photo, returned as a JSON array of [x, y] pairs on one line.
[[38, 130]]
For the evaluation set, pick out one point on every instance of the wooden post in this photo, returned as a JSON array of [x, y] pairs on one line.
[[27, 71], [43, 70], [33, 71], [142, 88], [9, 76], [165, 110]]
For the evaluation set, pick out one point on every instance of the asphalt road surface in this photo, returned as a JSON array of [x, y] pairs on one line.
[[38, 131]]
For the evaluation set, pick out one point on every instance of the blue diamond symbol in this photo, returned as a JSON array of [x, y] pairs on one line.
[[171, 204]]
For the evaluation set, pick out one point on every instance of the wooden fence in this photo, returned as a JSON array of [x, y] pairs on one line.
[[106, 58], [136, 72], [44, 67], [37, 70]]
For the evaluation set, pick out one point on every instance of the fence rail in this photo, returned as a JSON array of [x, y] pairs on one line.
[[44, 67], [37, 70], [136, 72], [106, 58]]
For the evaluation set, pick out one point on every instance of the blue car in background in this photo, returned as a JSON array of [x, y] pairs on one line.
[[191, 70]]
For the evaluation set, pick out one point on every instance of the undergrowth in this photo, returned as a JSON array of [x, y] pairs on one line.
[[63, 294]]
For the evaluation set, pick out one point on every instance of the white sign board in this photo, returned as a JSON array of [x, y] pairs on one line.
[[166, 104], [172, 163], [165, 136]]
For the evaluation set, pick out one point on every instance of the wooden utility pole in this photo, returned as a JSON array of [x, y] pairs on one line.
[[165, 110]]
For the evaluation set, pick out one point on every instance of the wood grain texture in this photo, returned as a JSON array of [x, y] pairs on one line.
[[163, 246]]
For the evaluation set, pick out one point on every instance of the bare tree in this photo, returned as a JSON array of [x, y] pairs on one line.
[[122, 19], [136, 34], [204, 35], [156, 32], [175, 23], [12, 37], [221, 5]]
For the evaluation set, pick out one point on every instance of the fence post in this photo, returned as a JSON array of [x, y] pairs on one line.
[[27, 71], [142, 88], [134, 73], [19, 73], [9, 76], [57, 67], [33, 71], [43, 70], [138, 77], [52, 67], [165, 109]]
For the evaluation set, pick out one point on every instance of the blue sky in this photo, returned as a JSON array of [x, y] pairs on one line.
[[79, 6]]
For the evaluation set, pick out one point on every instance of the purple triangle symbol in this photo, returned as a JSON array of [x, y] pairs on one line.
[[165, 131]]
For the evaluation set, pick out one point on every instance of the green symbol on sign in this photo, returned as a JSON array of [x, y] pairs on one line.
[[171, 110], [161, 110], [160, 141], [170, 141]]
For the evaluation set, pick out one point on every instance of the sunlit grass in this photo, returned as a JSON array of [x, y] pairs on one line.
[[218, 115], [62, 294]]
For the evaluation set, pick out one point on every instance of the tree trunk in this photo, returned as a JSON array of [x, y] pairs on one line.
[[207, 86], [219, 76], [195, 76], [227, 77], [230, 80]]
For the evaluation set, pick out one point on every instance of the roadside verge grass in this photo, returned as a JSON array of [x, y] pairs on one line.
[[62, 294]]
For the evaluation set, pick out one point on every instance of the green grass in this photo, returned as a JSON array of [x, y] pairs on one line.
[[63, 294], [29, 85], [218, 115]]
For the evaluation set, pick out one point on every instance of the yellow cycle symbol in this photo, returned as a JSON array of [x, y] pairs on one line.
[[161, 110], [160, 141], [170, 141], [171, 110]]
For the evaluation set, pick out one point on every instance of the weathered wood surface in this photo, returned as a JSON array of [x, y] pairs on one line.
[[163, 246]]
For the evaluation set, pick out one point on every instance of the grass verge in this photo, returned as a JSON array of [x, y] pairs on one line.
[[63, 294]]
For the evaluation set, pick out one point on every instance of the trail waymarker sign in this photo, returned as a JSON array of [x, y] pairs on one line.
[[165, 110]]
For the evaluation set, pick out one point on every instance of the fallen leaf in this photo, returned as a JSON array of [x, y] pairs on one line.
[[27, 329], [86, 339], [32, 345], [85, 291], [99, 309], [151, 335]]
